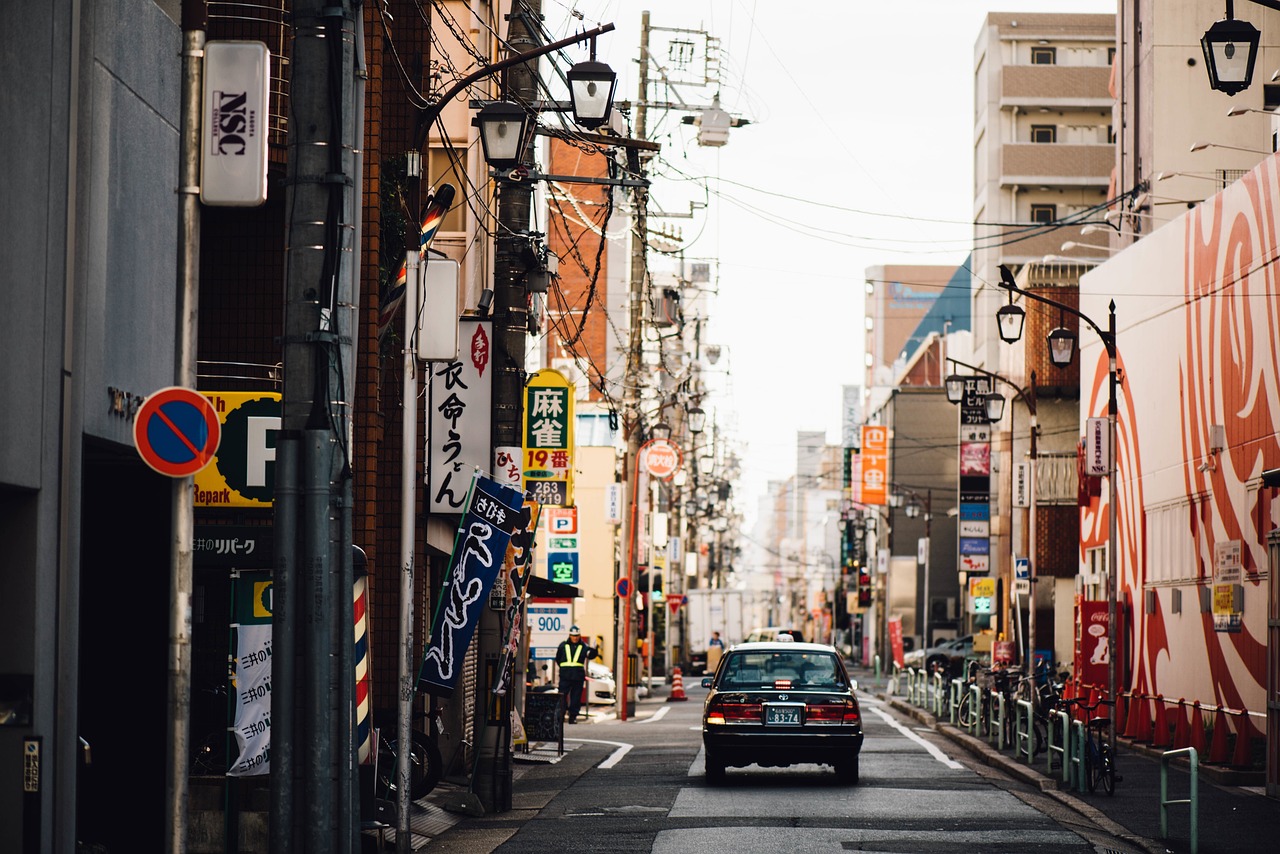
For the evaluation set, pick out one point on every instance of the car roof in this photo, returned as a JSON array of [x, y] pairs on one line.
[[775, 646]]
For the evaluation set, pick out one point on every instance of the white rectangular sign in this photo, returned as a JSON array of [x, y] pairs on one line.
[[1097, 447], [548, 625], [613, 503], [233, 131], [459, 412], [437, 324], [975, 528], [1022, 485]]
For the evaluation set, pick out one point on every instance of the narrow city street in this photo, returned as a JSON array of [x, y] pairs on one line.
[[917, 793]]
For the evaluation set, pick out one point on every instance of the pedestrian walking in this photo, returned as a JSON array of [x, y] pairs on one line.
[[715, 649], [571, 658]]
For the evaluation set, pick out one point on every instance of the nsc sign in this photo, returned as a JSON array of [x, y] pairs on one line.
[[243, 472]]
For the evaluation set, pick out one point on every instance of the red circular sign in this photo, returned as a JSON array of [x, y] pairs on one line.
[[623, 588], [661, 458], [177, 431]]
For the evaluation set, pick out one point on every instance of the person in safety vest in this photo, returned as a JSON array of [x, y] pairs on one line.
[[571, 658]]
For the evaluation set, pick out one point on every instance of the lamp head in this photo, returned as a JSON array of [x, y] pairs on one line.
[[1062, 346], [955, 388], [1230, 50], [591, 87], [503, 131]]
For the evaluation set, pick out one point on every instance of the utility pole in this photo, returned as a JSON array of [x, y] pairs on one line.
[[631, 421], [313, 749], [493, 775]]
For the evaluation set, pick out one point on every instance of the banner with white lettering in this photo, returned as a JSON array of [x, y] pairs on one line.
[[251, 677], [493, 511], [515, 572]]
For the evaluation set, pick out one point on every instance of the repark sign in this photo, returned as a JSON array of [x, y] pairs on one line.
[[243, 472]]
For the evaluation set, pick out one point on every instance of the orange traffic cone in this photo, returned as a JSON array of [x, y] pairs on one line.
[[1141, 716], [677, 686], [1218, 745], [1197, 729], [1160, 737], [1122, 710], [1243, 754], [1181, 735]]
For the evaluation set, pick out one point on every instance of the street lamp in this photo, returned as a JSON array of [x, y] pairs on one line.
[[504, 127], [697, 419], [591, 87], [1029, 398], [1230, 50], [1108, 338], [1201, 146]]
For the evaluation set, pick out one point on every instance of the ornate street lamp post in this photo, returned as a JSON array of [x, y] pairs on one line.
[[1062, 347]]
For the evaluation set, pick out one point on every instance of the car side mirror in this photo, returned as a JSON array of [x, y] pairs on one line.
[[706, 682], [853, 683]]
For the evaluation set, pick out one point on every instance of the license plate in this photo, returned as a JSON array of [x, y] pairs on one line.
[[782, 715]]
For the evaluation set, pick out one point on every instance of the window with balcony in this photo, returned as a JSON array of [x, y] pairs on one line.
[[1044, 133], [450, 166], [1044, 213], [1044, 56]]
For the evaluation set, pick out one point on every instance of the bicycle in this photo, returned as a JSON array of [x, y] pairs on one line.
[[426, 766], [1099, 761]]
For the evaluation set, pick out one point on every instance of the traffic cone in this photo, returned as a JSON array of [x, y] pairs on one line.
[[1160, 736], [1135, 709], [1218, 744], [1197, 729], [1181, 737], [1142, 729], [677, 686], [1243, 755]]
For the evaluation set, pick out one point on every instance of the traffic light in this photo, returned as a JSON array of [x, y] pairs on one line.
[[864, 586]]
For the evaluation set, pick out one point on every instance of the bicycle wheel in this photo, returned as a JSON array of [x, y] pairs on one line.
[[965, 712], [425, 767], [1092, 763], [1108, 770]]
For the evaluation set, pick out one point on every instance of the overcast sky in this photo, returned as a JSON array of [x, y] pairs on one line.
[[858, 153]]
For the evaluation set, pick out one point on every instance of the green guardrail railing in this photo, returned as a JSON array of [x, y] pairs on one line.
[[1054, 750], [939, 695], [1077, 754], [975, 719], [1193, 799], [957, 693], [1024, 735]]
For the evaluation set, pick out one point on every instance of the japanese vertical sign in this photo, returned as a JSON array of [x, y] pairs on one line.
[[515, 571], [974, 527], [548, 438], [484, 533], [459, 411], [252, 674], [875, 464]]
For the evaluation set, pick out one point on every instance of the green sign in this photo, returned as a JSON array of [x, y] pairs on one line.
[[567, 544], [562, 567]]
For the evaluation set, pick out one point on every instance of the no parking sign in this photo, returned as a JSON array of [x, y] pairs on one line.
[[176, 431]]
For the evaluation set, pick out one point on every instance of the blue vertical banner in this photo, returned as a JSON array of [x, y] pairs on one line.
[[493, 511]]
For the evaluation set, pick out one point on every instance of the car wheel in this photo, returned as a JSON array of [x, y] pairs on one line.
[[847, 770], [715, 769]]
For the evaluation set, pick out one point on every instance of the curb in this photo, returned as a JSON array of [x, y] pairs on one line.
[[979, 749]]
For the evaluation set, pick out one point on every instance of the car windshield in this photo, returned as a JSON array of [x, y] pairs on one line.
[[745, 670]]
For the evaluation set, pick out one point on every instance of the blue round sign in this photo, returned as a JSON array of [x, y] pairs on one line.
[[624, 588]]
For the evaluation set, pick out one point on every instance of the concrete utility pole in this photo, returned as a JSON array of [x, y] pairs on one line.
[[181, 584], [313, 746], [631, 421], [492, 778]]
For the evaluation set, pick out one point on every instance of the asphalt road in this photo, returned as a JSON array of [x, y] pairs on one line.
[[639, 786]]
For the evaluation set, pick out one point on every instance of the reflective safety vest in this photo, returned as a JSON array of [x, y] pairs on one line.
[[573, 655]]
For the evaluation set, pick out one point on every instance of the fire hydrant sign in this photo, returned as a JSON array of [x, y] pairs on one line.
[[548, 439]]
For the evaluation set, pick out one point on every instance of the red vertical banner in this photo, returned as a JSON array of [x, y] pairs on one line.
[[895, 640], [1093, 653], [875, 464]]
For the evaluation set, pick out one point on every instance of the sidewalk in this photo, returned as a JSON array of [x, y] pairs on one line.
[[1232, 819]]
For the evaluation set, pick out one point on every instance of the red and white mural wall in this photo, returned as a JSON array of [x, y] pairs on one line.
[[1198, 332]]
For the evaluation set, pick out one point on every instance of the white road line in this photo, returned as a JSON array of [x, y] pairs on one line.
[[933, 751], [616, 756], [657, 716]]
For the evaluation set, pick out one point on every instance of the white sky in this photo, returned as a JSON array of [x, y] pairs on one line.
[[855, 105]]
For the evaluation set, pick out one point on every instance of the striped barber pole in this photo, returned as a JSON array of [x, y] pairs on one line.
[[391, 297], [364, 730]]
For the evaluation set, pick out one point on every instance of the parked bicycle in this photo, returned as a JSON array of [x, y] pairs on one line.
[[426, 766], [1099, 761]]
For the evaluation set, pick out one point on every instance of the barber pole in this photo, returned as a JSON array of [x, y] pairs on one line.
[[364, 733]]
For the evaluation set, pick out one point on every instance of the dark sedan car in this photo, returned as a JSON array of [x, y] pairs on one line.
[[779, 703]]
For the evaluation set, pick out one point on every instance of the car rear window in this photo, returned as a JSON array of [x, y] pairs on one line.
[[746, 670]]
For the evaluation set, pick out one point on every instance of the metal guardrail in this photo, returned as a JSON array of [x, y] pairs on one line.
[[1193, 800], [939, 695], [1064, 752], [957, 692], [1077, 754], [1024, 732], [975, 722]]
